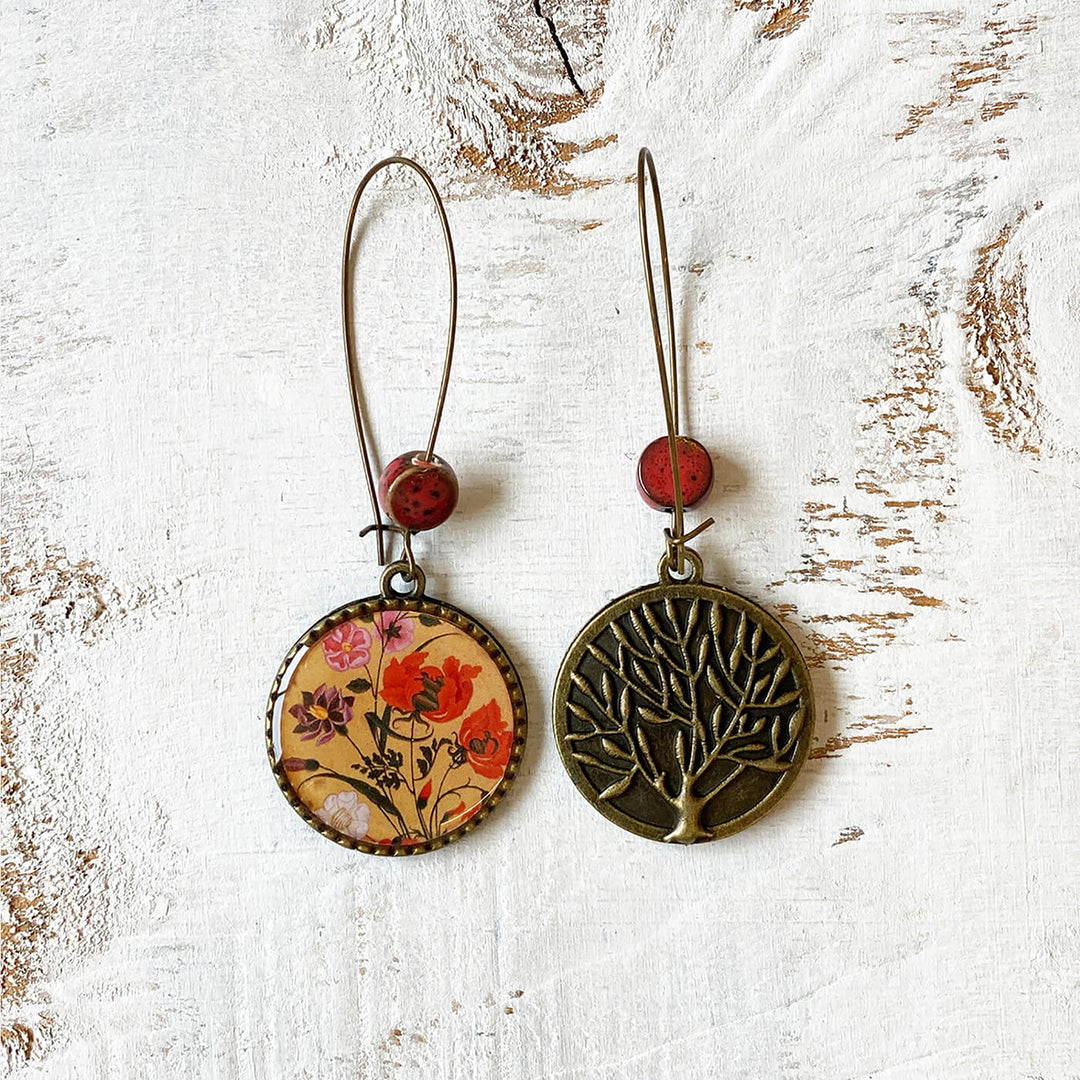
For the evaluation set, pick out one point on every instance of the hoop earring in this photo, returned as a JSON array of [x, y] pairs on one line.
[[682, 711], [396, 723]]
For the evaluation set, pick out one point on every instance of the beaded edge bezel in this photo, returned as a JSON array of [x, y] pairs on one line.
[[422, 606]]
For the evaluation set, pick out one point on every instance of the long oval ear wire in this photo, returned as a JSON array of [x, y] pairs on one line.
[[682, 711], [380, 527], [669, 370], [373, 729]]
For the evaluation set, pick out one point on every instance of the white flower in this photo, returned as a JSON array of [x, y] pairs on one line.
[[346, 813]]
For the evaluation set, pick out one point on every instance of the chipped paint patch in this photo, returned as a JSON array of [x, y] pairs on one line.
[[785, 16], [975, 88], [59, 871], [872, 727], [852, 832], [835, 743], [898, 501], [1003, 375], [879, 529]]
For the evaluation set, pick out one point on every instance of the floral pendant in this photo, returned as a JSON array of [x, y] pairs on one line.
[[395, 725]]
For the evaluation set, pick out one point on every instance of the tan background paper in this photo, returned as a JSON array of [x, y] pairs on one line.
[[436, 644]]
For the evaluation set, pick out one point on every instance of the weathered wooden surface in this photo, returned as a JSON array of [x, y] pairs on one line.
[[873, 214]]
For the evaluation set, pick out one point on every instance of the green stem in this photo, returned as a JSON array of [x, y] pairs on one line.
[[412, 774], [425, 644], [354, 746], [454, 790], [438, 794]]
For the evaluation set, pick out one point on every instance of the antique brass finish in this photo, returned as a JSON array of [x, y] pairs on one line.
[[396, 723], [683, 711], [350, 349], [669, 368], [411, 574]]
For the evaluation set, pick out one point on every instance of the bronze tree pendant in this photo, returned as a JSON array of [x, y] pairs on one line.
[[683, 712]]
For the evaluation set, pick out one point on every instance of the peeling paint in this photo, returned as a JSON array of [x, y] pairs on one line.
[[907, 445], [971, 89], [835, 743], [785, 16], [898, 501], [56, 868], [1003, 376], [852, 832]]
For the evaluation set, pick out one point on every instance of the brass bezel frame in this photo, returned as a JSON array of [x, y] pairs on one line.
[[424, 606], [674, 590]]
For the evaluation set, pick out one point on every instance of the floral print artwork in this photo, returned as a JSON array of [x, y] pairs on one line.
[[395, 629], [345, 812], [396, 727], [347, 646], [324, 713]]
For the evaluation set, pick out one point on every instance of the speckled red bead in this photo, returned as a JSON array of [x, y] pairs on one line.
[[418, 494], [654, 473]]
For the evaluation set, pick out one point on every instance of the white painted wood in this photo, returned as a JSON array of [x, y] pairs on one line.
[[872, 210]]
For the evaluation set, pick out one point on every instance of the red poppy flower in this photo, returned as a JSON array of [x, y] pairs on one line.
[[456, 690], [486, 739], [402, 681]]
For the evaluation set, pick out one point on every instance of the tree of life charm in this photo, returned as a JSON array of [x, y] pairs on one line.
[[683, 712]]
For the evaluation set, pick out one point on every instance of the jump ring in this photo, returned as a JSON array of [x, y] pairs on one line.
[[411, 574], [667, 567]]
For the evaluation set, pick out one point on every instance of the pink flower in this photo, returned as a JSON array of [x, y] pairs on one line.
[[347, 646], [395, 629]]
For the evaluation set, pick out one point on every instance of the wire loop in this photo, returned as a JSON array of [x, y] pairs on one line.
[[409, 561], [401, 569], [350, 351], [670, 576], [676, 550]]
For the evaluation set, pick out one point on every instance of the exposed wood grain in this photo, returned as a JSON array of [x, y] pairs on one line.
[[975, 88], [785, 16], [1003, 376], [499, 86]]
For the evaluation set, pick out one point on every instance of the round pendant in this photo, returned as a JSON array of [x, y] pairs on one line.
[[683, 711], [395, 725]]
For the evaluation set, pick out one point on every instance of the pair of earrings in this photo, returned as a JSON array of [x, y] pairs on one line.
[[682, 711]]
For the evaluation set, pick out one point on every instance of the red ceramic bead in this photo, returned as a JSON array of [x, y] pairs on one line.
[[418, 494], [654, 473]]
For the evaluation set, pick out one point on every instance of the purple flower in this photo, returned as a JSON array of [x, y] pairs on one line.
[[324, 714]]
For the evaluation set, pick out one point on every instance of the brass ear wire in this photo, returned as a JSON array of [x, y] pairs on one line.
[[379, 526], [676, 539]]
